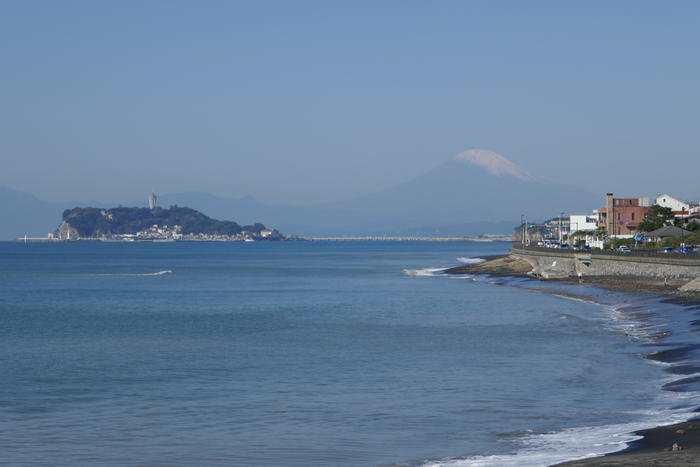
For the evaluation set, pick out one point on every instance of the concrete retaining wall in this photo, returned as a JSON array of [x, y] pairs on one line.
[[558, 264]]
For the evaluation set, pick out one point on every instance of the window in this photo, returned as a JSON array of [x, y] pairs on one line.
[[632, 216]]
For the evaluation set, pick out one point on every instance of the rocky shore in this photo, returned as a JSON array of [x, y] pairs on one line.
[[671, 445], [497, 265], [507, 265]]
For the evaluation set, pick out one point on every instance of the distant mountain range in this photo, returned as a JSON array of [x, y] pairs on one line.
[[22, 213], [475, 192]]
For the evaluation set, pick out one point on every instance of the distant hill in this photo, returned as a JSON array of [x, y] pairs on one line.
[[330, 219], [96, 222], [474, 186], [474, 193], [25, 214]]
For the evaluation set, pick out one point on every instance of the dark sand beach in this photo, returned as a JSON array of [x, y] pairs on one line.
[[656, 448], [670, 445]]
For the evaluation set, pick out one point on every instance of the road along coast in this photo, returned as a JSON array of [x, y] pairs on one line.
[[673, 277]]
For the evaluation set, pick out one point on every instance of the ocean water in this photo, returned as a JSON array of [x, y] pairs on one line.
[[323, 353]]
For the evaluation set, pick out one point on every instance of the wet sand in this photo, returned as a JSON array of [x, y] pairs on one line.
[[656, 448]]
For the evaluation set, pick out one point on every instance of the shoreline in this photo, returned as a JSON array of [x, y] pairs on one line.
[[654, 448], [656, 445], [508, 266]]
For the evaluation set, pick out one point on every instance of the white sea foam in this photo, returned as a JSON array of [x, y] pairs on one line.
[[423, 272], [126, 274], [634, 328], [471, 260], [586, 442], [617, 319], [159, 273], [570, 444]]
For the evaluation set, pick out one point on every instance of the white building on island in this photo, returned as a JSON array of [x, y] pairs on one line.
[[152, 201]]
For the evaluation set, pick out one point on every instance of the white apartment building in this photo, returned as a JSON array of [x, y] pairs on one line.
[[582, 222], [667, 201]]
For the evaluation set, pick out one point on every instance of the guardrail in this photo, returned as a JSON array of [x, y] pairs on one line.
[[634, 253]]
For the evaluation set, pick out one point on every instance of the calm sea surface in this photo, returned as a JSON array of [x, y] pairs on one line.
[[320, 353]]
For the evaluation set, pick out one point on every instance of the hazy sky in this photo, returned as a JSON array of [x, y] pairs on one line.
[[298, 101]]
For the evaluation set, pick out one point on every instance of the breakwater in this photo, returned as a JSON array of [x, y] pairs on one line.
[[550, 263], [38, 240]]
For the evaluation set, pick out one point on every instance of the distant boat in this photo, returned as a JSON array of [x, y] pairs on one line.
[[248, 239]]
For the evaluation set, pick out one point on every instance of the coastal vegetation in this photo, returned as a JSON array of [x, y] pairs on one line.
[[657, 217], [94, 222]]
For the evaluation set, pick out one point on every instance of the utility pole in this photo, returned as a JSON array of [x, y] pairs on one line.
[[522, 229], [527, 240], [561, 237]]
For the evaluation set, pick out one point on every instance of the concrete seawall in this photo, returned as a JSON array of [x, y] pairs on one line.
[[558, 264]]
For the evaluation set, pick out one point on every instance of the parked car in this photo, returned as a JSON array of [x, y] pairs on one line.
[[623, 249], [585, 248], [666, 249]]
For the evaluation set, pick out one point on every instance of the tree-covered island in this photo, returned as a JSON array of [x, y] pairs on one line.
[[174, 223]]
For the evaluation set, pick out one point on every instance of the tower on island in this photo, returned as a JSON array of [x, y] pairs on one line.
[[152, 201]]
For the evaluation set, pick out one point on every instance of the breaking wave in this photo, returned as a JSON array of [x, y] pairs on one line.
[[570, 444], [639, 323], [471, 260], [126, 274], [424, 272]]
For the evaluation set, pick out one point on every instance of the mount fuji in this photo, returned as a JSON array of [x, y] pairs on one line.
[[474, 188], [475, 192]]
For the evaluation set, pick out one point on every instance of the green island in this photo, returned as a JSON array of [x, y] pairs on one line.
[[155, 224]]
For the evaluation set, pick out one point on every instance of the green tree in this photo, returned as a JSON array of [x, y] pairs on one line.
[[655, 218]]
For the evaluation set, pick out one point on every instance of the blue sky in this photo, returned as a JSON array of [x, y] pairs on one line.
[[301, 102]]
